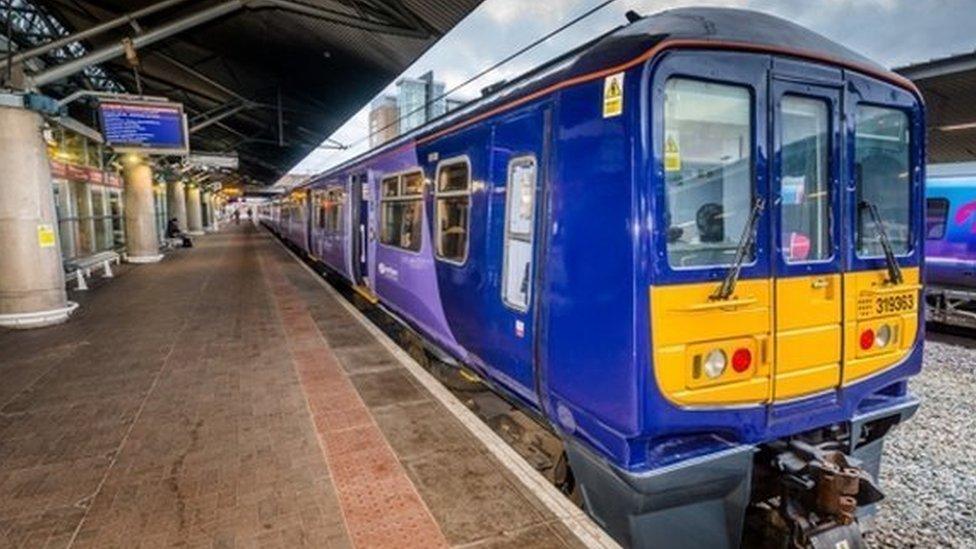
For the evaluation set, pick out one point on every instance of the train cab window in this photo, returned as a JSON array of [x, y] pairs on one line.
[[519, 224], [401, 212], [881, 170], [708, 169], [453, 202], [936, 212], [804, 179]]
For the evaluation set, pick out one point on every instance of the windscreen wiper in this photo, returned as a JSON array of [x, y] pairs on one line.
[[894, 271], [745, 243]]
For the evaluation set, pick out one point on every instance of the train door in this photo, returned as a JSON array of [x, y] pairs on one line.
[[519, 150], [309, 210], [806, 189], [360, 199]]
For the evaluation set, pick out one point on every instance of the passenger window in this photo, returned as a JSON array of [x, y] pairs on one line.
[[519, 214], [804, 179], [707, 151], [391, 186], [936, 212], [333, 210], [401, 213], [320, 211], [453, 205], [413, 184], [881, 170]]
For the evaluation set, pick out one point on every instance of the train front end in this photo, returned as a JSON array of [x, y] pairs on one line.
[[785, 207]]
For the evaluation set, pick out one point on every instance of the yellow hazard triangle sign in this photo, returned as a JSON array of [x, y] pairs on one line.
[[613, 95]]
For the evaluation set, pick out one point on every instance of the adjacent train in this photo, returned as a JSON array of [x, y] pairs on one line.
[[950, 233], [691, 247]]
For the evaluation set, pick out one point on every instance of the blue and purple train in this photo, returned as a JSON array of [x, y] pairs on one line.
[[950, 232], [692, 248]]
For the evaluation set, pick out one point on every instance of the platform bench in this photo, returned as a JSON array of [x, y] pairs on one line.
[[82, 267]]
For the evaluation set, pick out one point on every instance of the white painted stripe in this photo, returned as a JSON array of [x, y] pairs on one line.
[[577, 521]]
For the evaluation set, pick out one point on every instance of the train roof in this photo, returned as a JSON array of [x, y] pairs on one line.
[[624, 44]]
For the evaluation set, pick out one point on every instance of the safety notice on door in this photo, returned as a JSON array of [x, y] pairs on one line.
[[45, 236], [613, 95], [672, 154]]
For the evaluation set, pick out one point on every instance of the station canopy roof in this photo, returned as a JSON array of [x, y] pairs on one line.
[[320, 60], [949, 88]]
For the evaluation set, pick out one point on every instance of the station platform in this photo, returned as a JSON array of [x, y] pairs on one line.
[[228, 397]]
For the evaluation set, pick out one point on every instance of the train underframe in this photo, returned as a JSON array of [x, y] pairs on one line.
[[816, 489], [813, 490], [952, 306]]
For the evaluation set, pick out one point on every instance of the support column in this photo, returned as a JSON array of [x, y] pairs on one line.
[[32, 290], [194, 222], [207, 205], [214, 205], [141, 242], [176, 202]]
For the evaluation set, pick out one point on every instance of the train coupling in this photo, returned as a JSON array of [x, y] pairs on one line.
[[820, 489]]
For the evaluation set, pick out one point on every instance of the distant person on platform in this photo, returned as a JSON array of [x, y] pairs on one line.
[[173, 231], [237, 216]]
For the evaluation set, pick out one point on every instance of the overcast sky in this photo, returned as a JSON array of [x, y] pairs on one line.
[[892, 32]]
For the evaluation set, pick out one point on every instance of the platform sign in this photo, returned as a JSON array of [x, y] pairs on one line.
[[45, 236], [144, 127]]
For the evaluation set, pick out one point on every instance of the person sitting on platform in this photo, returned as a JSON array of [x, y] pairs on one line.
[[173, 231]]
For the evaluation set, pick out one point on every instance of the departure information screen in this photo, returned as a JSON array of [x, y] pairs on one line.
[[146, 127]]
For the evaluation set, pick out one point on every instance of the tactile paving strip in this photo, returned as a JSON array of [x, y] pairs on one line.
[[380, 504]]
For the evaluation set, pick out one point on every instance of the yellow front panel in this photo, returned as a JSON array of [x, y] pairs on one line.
[[819, 321], [685, 314], [806, 381], [805, 301], [686, 323], [807, 348], [808, 335], [869, 303]]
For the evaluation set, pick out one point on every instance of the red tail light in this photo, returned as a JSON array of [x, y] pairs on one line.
[[741, 360], [867, 339]]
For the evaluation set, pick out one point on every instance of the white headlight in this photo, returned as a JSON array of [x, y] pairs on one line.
[[883, 336], [714, 363]]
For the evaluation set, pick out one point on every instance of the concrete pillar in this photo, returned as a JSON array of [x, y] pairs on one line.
[[141, 242], [214, 206], [176, 202], [206, 202], [32, 290], [194, 221]]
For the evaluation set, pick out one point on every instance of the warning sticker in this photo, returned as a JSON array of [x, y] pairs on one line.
[[45, 236], [613, 95], [672, 154]]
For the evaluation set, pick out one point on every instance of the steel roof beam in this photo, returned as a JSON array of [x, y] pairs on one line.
[[217, 118], [109, 52], [129, 18]]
